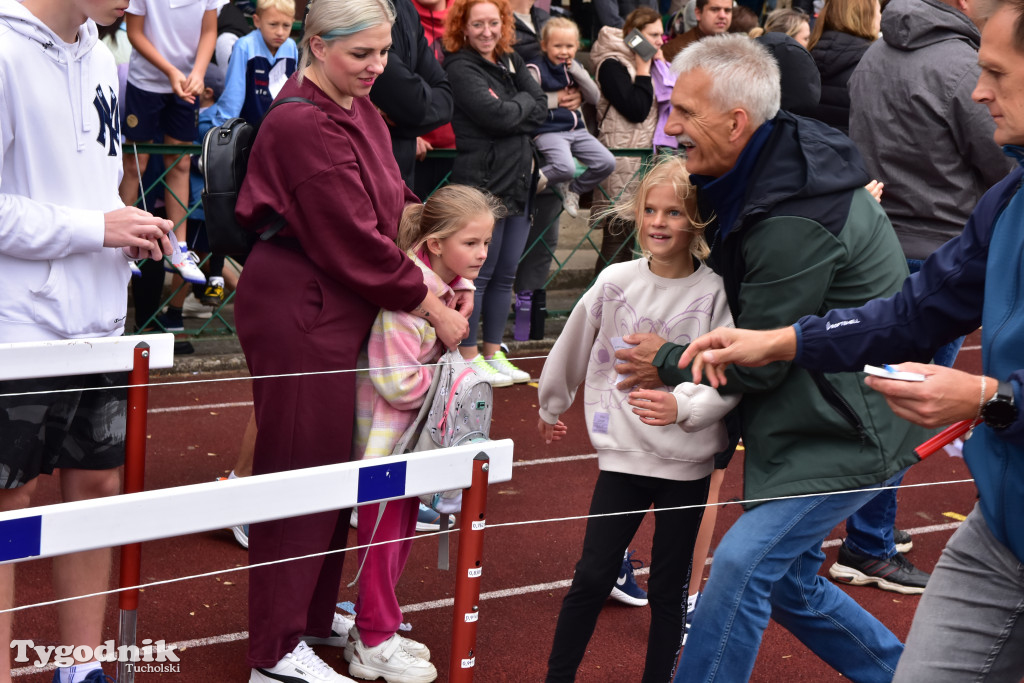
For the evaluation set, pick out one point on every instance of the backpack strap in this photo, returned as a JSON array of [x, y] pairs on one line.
[[277, 224]]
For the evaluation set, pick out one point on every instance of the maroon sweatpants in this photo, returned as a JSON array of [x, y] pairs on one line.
[[292, 318]]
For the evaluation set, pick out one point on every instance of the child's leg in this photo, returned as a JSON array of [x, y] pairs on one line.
[[141, 125], [176, 193], [604, 544], [671, 554], [378, 613], [707, 529], [595, 156], [559, 166], [132, 161]]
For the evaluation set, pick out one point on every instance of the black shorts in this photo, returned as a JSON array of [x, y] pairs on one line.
[[148, 114], [72, 429]]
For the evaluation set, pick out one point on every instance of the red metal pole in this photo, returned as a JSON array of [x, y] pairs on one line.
[[134, 482], [467, 578]]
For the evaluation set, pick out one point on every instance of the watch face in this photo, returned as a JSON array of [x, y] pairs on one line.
[[999, 413]]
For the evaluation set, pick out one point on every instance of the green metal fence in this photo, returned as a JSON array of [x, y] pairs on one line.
[[561, 251]]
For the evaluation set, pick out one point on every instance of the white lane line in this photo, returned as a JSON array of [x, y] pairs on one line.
[[185, 645]]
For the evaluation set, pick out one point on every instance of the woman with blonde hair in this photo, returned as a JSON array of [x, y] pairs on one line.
[[305, 304], [792, 22], [842, 34]]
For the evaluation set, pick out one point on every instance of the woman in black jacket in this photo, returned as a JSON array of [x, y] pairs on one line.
[[841, 36], [498, 105]]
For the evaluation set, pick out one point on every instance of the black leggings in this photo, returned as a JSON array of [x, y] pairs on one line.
[[605, 543]]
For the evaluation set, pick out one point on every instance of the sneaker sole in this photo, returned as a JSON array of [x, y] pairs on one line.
[[240, 536], [507, 382], [855, 577], [626, 598], [903, 548], [369, 674]]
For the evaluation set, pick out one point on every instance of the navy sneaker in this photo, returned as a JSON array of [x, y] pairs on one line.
[[625, 590], [689, 618], [94, 676]]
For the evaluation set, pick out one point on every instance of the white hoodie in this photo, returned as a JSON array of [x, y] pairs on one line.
[[60, 165]]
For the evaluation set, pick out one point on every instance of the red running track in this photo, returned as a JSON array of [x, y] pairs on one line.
[[527, 566]]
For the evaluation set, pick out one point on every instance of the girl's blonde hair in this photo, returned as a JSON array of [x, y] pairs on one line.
[[332, 19], [668, 169], [556, 24], [443, 214]]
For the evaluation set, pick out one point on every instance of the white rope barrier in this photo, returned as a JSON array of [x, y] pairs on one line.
[[490, 527]]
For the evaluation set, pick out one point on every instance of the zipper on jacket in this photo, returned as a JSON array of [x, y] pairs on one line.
[[839, 404]]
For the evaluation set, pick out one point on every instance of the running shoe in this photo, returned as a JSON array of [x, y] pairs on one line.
[[894, 574], [301, 665], [500, 363], [489, 373], [625, 589]]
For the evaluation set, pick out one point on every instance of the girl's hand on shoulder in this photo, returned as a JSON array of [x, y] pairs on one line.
[[551, 432], [657, 408]]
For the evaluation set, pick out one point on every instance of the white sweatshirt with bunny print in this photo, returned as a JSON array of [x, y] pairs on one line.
[[628, 298]]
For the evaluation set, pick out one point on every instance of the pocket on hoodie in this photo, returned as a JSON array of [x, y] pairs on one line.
[[83, 295]]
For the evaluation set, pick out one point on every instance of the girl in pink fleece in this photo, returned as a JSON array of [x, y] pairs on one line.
[[447, 237]]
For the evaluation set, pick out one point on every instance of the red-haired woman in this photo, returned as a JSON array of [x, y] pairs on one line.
[[842, 34], [498, 105]]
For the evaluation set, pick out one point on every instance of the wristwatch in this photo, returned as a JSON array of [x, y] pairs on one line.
[[1000, 411]]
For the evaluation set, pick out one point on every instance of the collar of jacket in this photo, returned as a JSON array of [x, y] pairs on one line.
[[1015, 152], [725, 194]]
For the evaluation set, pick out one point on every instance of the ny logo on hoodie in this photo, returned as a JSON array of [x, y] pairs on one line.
[[110, 119]]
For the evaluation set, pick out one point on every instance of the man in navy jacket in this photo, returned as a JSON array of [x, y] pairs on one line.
[[968, 624]]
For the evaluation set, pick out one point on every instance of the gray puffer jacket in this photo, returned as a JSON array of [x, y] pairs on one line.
[[913, 120]]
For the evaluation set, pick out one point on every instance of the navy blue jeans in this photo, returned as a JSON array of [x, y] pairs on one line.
[[766, 567], [493, 295]]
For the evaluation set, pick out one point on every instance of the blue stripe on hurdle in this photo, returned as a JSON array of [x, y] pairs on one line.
[[381, 481], [20, 538]]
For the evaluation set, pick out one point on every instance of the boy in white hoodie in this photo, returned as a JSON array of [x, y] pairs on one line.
[[65, 243]]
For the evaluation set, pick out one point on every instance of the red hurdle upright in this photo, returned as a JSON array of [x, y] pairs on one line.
[[467, 579], [134, 482]]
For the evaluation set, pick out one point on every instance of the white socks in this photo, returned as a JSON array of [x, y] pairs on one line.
[[691, 602]]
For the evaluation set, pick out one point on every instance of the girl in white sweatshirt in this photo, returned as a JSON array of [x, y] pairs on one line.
[[655, 447]]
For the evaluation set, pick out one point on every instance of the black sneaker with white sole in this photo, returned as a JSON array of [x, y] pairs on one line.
[[894, 574]]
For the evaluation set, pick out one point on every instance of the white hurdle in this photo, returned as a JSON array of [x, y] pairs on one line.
[[136, 515], [62, 528]]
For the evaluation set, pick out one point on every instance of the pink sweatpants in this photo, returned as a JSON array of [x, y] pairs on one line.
[[378, 613]]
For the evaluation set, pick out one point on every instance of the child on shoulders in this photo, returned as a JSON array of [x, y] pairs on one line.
[[564, 135], [655, 447]]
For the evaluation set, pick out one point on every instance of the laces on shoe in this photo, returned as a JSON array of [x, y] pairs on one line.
[[631, 564], [304, 656], [482, 367], [503, 362]]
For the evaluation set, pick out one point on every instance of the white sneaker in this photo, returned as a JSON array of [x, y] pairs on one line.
[[193, 309], [301, 665], [391, 661], [570, 200], [416, 649], [489, 373], [188, 268], [339, 632], [502, 365], [542, 181]]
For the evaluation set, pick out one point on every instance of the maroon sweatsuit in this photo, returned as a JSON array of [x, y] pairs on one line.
[[305, 303]]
